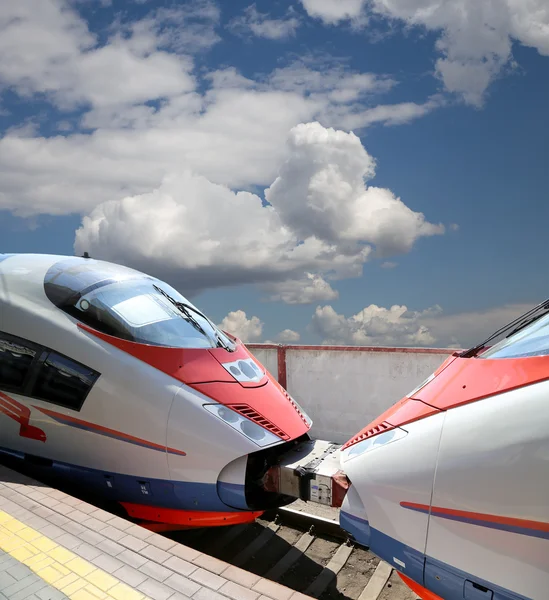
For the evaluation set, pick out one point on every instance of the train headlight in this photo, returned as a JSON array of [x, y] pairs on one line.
[[249, 429]]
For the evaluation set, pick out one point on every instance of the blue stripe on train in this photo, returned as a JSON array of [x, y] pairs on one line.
[[232, 494], [443, 579], [118, 487]]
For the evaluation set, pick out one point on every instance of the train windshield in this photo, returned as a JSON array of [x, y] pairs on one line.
[[131, 306], [525, 337]]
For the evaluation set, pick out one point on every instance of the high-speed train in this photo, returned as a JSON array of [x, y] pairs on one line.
[[112, 379], [450, 486]]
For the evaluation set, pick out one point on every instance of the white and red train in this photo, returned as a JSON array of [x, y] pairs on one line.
[[450, 486], [113, 379], [116, 381]]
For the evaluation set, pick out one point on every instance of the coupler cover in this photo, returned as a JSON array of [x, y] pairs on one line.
[[310, 471]]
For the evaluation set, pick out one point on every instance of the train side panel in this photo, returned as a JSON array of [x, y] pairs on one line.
[[386, 471], [489, 523]]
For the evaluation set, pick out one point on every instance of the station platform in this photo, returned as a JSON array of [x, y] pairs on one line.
[[54, 546]]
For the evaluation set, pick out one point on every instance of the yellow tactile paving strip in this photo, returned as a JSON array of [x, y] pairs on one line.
[[75, 577]]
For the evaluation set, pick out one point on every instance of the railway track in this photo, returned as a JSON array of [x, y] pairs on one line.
[[306, 553]]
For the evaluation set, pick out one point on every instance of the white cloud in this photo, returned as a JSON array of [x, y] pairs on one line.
[[475, 37], [307, 290], [322, 221], [332, 12], [148, 113], [261, 25], [323, 76], [388, 265], [47, 48], [398, 326], [372, 326], [238, 324], [321, 191], [288, 336]]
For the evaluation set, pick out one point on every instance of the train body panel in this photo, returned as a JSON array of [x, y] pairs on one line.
[[123, 416], [490, 517], [387, 470], [484, 517]]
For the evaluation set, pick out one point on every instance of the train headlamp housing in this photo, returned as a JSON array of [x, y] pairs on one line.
[[254, 432]]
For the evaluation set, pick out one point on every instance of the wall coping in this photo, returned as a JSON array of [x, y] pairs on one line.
[[411, 350]]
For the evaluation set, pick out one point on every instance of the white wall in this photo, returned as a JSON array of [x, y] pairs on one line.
[[344, 390]]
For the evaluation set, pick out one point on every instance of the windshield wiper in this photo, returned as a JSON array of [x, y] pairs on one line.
[[186, 310], [523, 321]]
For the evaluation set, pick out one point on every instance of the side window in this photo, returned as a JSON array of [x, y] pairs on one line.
[[63, 381], [16, 358]]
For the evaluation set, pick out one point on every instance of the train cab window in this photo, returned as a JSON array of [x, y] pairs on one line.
[[15, 362], [532, 340], [63, 381], [130, 305]]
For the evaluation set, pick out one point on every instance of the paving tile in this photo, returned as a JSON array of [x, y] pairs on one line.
[[299, 596], [87, 551], [94, 524], [20, 571], [107, 563], [50, 593], [91, 537], [132, 558], [272, 589], [240, 576], [238, 592], [133, 543], [120, 523], [180, 566], [155, 590], [207, 594], [161, 542], [111, 547], [101, 515], [53, 532], [130, 575], [6, 580], [31, 589], [182, 584], [185, 552], [112, 533], [207, 578], [210, 563], [68, 541], [155, 554], [156, 571], [139, 532]]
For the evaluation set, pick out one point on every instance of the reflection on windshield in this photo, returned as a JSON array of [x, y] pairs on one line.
[[530, 341], [129, 305], [136, 311]]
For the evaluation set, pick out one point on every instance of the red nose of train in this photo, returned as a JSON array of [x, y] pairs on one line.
[[235, 379]]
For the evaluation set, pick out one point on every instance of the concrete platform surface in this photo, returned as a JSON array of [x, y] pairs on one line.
[[54, 546]]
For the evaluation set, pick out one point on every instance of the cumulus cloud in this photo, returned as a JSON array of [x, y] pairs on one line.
[[475, 40], [398, 326], [372, 326], [288, 336], [261, 25], [307, 290], [238, 324], [321, 220]]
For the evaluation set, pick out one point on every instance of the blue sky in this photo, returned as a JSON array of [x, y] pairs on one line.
[[154, 128]]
